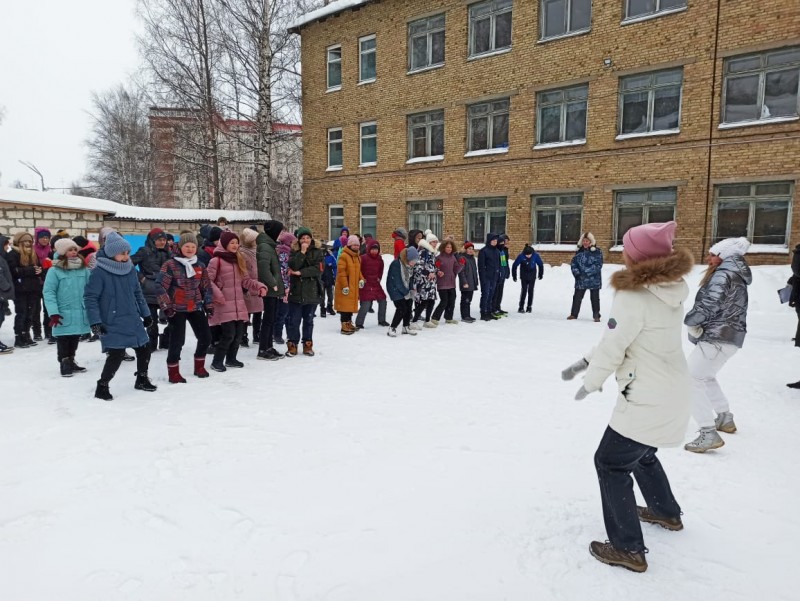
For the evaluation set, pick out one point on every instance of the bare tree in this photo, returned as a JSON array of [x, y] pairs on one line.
[[120, 157], [76, 189]]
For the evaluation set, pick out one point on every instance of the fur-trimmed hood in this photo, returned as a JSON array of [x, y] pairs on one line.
[[314, 244], [425, 245], [658, 275]]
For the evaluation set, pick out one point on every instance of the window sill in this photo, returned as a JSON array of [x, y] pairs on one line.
[[424, 69], [758, 122], [372, 164], [475, 57], [333, 89], [648, 134], [547, 145], [488, 151], [617, 248], [334, 168], [436, 157], [656, 15], [366, 81], [555, 247], [570, 34], [768, 249]]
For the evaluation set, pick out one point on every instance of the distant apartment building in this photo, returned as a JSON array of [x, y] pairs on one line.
[[547, 118], [183, 175]]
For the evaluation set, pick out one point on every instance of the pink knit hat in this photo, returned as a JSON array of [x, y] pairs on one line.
[[649, 241], [353, 240]]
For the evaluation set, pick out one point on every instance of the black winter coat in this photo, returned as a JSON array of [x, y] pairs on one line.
[[489, 262], [6, 281], [26, 281], [150, 259], [469, 274]]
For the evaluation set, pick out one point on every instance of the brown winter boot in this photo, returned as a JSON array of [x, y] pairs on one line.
[[291, 349], [608, 554], [308, 348], [348, 328], [174, 371], [646, 515], [200, 367]]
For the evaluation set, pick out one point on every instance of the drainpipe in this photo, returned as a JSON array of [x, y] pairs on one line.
[[709, 187]]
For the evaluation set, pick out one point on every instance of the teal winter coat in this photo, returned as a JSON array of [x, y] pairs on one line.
[[63, 295]]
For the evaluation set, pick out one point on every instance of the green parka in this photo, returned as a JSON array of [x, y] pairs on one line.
[[269, 267]]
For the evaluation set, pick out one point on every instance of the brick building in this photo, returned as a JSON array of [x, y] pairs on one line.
[[544, 118]]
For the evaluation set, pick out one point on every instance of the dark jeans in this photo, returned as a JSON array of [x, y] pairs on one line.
[[615, 459], [326, 291], [345, 317], [447, 304], [177, 324], [487, 296], [497, 297], [24, 311], [796, 334], [527, 291], [268, 322], [282, 318], [228, 345], [40, 319], [427, 306], [365, 307], [255, 319], [114, 360], [403, 309], [466, 301], [299, 312], [67, 346], [152, 331], [577, 299]]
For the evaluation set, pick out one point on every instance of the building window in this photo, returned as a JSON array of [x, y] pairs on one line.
[[334, 68], [761, 86], [643, 8], [489, 26], [369, 220], [426, 135], [335, 148], [425, 215], [637, 207], [367, 67], [426, 43], [561, 115], [650, 102], [335, 221], [557, 218], [488, 125], [369, 144], [560, 17], [484, 215], [759, 212]]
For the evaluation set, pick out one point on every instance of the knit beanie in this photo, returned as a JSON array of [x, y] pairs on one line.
[[401, 233], [249, 236], [286, 238], [81, 241], [430, 237], [468, 244], [730, 247], [226, 239], [157, 233], [214, 234], [63, 245], [187, 238], [649, 241], [43, 233], [104, 232], [273, 228], [116, 245], [20, 236], [302, 231], [412, 254], [353, 241]]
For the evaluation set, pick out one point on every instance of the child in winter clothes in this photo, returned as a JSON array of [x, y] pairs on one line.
[[399, 236], [642, 347], [529, 263], [467, 280], [28, 281], [328, 282], [286, 241], [118, 313], [348, 283], [341, 242], [269, 274], [6, 289], [255, 304], [149, 259], [447, 269], [489, 275], [425, 278], [44, 252], [305, 268], [587, 269], [398, 285], [229, 278], [505, 273], [63, 299], [372, 272], [186, 297]]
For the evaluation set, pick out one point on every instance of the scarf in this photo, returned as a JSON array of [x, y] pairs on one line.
[[75, 263], [226, 256], [114, 267], [188, 265]]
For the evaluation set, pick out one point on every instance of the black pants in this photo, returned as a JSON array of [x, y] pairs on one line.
[[497, 298], [67, 346], [326, 291], [268, 322], [345, 317], [114, 360], [425, 305], [255, 319], [177, 325], [526, 291], [447, 304], [152, 331], [403, 309], [40, 320], [298, 313], [796, 335], [466, 301], [616, 458], [228, 345], [24, 310], [577, 299]]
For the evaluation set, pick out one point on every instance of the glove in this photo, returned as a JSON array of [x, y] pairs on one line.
[[210, 310], [574, 369], [345, 291], [581, 394], [55, 320], [695, 331], [147, 321], [98, 329], [170, 312], [361, 283]]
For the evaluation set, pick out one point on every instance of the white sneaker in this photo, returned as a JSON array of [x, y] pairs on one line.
[[415, 326], [706, 441], [724, 422], [431, 324], [409, 330], [452, 321], [392, 332]]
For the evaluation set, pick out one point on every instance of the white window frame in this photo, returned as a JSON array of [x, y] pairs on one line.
[[428, 34], [656, 13], [753, 199], [426, 209], [361, 138], [490, 116], [493, 27], [651, 90], [363, 230], [557, 207], [430, 123], [333, 231], [341, 143], [568, 12], [328, 63], [645, 205], [362, 52], [487, 211], [564, 104]]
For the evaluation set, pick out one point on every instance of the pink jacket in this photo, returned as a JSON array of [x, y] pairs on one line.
[[227, 286], [255, 304]]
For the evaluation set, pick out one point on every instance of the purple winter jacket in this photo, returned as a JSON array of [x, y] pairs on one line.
[[451, 267]]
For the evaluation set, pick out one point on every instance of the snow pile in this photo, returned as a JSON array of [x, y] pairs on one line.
[[325, 11]]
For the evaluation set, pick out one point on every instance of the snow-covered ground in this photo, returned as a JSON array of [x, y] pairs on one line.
[[452, 466]]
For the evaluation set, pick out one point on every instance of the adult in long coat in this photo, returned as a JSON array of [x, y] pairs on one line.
[[255, 304], [305, 291], [6, 288], [489, 274], [149, 259], [348, 283], [587, 269], [269, 274], [372, 271], [28, 281]]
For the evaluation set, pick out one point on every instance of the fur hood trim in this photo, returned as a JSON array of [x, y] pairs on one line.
[[314, 244], [425, 245], [661, 270]]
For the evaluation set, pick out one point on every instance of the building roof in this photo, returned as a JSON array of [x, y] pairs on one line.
[[116, 210], [173, 114], [320, 14]]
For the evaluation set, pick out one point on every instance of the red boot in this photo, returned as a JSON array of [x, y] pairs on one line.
[[174, 371], [200, 367]]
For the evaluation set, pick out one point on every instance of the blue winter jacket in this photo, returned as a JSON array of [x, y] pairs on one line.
[[489, 262], [63, 295], [329, 271], [395, 287], [117, 302], [529, 269], [587, 267]]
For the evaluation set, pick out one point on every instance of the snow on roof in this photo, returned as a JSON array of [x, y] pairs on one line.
[[120, 211], [326, 11]]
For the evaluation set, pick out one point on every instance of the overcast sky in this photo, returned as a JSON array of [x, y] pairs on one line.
[[53, 54]]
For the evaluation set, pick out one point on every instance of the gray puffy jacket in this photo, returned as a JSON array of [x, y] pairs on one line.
[[720, 307]]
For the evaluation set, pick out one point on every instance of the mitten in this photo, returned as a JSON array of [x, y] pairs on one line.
[[361, 283], [345, 291], [574, 369], [98, 329], [147, 321], [581, 394], [55, 320]]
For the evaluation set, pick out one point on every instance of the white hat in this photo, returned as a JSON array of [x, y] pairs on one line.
[[430, 236], [730, 247]]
